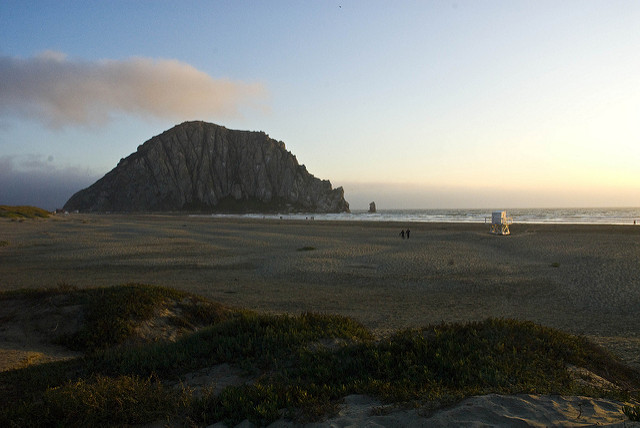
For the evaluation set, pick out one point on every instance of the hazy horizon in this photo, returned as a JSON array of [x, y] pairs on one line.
[[447, 104]]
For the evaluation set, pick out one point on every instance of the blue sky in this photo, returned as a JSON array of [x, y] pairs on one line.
[[413, 104]]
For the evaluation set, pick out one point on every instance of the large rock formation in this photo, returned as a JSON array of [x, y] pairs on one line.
[[199, 166]]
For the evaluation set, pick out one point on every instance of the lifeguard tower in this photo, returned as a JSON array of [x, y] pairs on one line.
[[500, 223]]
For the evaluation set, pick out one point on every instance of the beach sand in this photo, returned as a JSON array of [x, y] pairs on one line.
[[582, 279]]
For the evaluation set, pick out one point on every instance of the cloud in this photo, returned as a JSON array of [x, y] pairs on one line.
[[59, 92], [36, 180]]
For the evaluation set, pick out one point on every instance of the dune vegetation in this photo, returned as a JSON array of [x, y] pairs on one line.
[[294, 366], [22, 212]]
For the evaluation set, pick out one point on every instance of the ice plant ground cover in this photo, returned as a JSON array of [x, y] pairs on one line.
[[295, 366]]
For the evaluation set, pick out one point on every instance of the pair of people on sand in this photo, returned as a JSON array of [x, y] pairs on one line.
[[403, 233]]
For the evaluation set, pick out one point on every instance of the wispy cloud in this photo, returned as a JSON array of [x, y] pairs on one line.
[[59, 91]]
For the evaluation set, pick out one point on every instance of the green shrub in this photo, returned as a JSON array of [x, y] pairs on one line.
[[112, 312], [103, 401], [247, 340], [441, 363], [40, 293], [633, 413], [303, 365]]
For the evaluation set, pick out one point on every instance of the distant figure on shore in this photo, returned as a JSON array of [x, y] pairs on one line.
[[408, 232], [372, 207], [402, 233]]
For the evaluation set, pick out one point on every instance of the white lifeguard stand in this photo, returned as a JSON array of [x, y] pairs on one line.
[[500, 223]]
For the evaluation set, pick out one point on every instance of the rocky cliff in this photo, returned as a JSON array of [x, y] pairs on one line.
[[198, 166]]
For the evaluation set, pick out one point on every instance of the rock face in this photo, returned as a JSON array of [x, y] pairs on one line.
[[199, 166]]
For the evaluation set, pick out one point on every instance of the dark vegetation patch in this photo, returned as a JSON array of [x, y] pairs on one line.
[[22, 212], [37, 294], [301, 365], [233, 266], [113, 314], [633, 413], [307, 248]]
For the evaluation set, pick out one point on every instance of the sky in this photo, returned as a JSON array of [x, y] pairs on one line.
[[411, 104]]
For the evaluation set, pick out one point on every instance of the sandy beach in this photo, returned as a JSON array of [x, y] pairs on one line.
[[580, 279]]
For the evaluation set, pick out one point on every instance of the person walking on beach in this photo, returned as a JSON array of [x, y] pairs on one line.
[[402, 233], [408, 232]]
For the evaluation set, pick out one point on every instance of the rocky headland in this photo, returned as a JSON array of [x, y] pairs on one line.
[[199, 166]]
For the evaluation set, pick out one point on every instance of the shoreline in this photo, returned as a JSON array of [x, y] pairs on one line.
[[287, 219], [607, 216], [586, 216]]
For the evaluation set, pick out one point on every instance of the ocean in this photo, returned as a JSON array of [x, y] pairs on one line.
[[618, 216]]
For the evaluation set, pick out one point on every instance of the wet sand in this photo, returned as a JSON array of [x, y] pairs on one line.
[[578, 278]]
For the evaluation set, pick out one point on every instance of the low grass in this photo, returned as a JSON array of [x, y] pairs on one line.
[[633, 413], [22, 212], [38, 293], [111, 314], [251, 341], [302, 365], [97, 401], [126, 399]]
